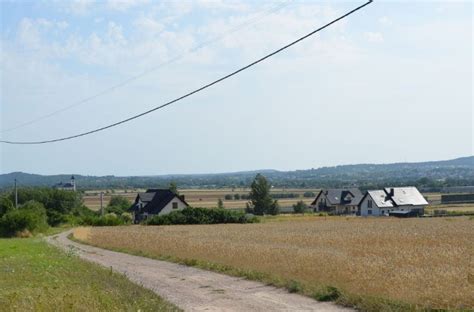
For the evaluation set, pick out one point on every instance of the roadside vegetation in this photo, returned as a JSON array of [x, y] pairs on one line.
[[38, 277], [382, 264]]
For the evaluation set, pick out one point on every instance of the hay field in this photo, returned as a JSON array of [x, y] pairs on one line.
[[427, 263], [206, 198]]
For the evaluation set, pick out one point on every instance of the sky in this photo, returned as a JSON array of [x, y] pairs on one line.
[[391, 83]]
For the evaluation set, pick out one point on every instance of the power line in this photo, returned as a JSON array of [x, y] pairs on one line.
[[199, 46], [194, 91]]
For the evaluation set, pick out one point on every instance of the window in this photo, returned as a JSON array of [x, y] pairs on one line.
[[175, 205], [369, 211], [383, 211], [369, 203]]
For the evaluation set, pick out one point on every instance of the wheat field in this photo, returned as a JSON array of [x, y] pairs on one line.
[[427, 263]]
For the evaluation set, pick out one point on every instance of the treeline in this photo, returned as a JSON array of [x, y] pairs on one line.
[[272, 195], [431, 175], [41, 208]]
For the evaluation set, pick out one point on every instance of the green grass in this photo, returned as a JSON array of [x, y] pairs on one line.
[[35, 276]]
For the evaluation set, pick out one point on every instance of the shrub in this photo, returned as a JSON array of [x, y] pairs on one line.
[[110, 219], [201, 216], [300, 207], [308, 194], [237, 196], [118, 204], [29, 217], [228, 197]]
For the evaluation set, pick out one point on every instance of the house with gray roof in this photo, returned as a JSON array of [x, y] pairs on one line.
[[156, 202], [337, 201], [393, 201]]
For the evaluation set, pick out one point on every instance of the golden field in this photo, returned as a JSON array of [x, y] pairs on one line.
[[419, 263], [206, 198]]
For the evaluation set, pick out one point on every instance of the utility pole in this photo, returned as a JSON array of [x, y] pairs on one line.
[[16, 196], [102, 203]]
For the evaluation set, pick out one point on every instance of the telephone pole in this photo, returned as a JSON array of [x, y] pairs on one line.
[[16, 196], [101, 203]]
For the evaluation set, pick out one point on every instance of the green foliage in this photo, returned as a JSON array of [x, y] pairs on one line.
[[237, 196], [30, 217], [328, 293], [5, 205], [109, 219], [300, 207], [118, 204], [228, 197], [220, 204], [309, 194], [261, 201], [284, 195], [58, 203], [173, 188], [201, 216]]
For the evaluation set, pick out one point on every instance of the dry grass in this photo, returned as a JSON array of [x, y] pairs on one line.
[[205, 198], [424, 262]]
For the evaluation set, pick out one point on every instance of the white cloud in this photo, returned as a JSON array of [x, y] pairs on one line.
[[386, 21], [123, 5], [374, 37]]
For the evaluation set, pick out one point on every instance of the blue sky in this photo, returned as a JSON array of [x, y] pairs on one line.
[[391, 83]]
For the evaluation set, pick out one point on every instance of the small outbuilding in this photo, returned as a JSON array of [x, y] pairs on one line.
[[156, 202]]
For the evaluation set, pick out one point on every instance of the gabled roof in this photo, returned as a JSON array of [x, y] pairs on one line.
[[406, 196], [338, 196], [381, 199], [155, 200]]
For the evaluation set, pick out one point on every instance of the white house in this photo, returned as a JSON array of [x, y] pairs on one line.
[[396, 201], [338, 201], [156, 202]]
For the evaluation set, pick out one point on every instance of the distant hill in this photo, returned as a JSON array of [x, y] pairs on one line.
[[431, 174]]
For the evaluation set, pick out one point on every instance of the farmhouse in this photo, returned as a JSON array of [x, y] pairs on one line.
[[156, 202], [393, 201], [338, 201]]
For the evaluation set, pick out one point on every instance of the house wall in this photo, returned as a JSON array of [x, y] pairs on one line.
[[320, 199], [376, 210], [168, 208]]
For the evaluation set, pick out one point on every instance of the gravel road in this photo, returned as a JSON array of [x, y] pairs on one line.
[[194, 289]]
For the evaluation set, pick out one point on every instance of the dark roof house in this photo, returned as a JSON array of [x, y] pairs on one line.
[[155, 202], [343, 197]]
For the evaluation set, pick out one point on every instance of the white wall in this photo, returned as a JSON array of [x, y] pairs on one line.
[[376, 210], [168, 208]]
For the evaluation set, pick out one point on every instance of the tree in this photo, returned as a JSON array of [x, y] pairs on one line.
[[261, 201], [5, 205], [300, 207], [173, 188], [220, 204], [118, 204]]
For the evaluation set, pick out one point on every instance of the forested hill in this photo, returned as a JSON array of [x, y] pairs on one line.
[[432, 174]]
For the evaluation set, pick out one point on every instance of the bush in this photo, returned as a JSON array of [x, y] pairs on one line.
[[237, 196], [118, 205], [228, 197], [201, 216], [300, 207], [29, 217], [309, 194]]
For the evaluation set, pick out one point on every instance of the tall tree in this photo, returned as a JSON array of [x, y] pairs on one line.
[[174, 188], [261, 201]]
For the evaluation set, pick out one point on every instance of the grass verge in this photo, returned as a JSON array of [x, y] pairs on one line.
[[38, 277]]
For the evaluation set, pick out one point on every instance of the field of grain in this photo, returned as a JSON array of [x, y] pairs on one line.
[[424, 262], [206, 198]]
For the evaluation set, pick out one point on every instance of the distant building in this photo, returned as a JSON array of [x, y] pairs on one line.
[[338, 201], [156, 202], [393, 201], [69, 186]]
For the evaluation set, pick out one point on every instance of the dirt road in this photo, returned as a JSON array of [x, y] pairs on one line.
[[194, 289]]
